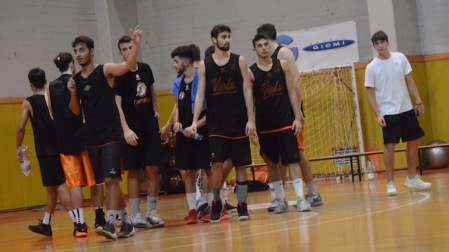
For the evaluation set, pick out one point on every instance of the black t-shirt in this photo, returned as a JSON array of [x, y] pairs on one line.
[[135, 89], [185, 115], [68, 126], [273, 108], [99, 107]]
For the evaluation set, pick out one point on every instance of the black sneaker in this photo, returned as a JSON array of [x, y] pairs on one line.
[[74, 228], [230, 207], [108, 230], [215, 212], [41, 228], [99, 218], [242, 211], [126, 230], [81, 230]]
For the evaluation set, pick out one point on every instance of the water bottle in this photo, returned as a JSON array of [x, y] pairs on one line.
[[370, 170], [24, 160], [195, 136]]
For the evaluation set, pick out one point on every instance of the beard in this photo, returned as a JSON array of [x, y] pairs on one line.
[[224, 48]]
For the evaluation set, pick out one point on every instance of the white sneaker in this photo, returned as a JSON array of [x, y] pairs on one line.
[[391, 189], [138, 221], [417, 183], [282, 206], [303, 205], [154, 219], [273, 205]]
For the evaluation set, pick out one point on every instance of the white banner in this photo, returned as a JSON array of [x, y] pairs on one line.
[[322, 47]]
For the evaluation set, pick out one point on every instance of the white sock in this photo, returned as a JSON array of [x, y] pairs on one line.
[[198, 192], [191, 200], [209, 197], [111, 216], [135, 207], [72, 214], [312, 188], [124, 215], [80, 215], [299, 190], [272, 193], [152, 202], [278, 189], [47, 218]]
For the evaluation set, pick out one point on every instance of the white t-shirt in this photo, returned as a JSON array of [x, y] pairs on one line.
[[388, 78]]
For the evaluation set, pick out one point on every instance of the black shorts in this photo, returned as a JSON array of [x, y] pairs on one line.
[[105, 161], [237, 149], [281, 144], [403, 126], [191, 154], [51, 170], [147, 152]]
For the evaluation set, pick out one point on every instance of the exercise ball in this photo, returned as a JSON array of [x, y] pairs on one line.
[[437, 157]]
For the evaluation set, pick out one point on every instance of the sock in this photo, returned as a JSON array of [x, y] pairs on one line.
[[112, 216], [80, 215], [272, 193], [135, 207], [297, 184], [278, 189], [216, 193], [312, 188], [72, 214], [242, 191], [152, 201], [191, 200], [209, 197], [198, 192], [124, 215], [47, 218]]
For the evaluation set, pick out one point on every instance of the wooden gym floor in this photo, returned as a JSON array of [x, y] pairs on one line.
[[355, 217]]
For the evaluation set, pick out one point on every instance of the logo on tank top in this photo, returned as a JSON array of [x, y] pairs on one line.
[[181, 95], [221, 87], [87, 88], [141, 90], [270, 90]]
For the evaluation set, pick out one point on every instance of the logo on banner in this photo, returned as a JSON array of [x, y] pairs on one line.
[[287, 40], [328, 45]]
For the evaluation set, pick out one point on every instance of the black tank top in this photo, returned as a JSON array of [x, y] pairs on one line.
[[273, 108], [68, 126], [43, 128], [226, 109], [99, 107], [275, 56]]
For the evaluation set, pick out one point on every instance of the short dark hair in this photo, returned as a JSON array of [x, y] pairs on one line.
[[83, 40], [209, 51], [196, 52], [379, 35], [124, 39], [258, 37], [269, 30], [63, 60], [36, 76], [219, 29], [184, 52]]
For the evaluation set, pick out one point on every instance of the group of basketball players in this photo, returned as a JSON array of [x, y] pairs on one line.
[[220, 102]]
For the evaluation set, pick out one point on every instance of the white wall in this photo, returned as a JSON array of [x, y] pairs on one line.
[[170, 23], [433, 25], [33, 32]]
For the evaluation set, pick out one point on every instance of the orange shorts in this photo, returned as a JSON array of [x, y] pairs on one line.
[[300, 139], [77, 169]]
